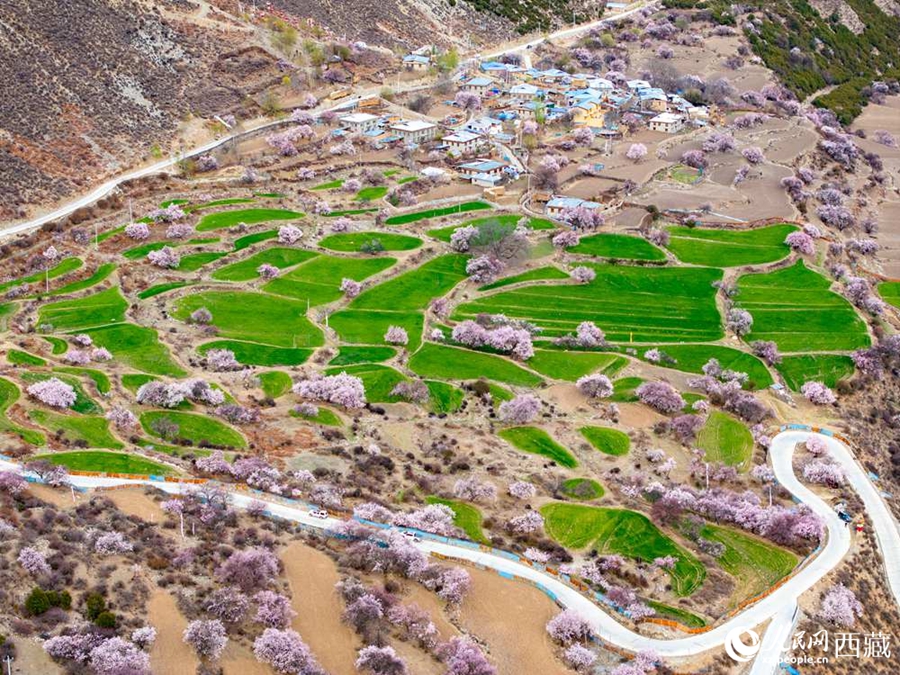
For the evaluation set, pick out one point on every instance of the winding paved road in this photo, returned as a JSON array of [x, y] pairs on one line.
[[779, 605]]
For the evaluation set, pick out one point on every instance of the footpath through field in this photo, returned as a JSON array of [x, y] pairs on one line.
[[774, 606]]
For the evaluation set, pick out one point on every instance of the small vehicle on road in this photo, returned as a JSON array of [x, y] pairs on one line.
[[321, 514], [412, 536]]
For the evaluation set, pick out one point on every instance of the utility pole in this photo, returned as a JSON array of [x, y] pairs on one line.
[[9, 660], [707, 475]]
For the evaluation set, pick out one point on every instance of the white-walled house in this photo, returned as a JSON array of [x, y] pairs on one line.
[[668, 123], [415, 131]]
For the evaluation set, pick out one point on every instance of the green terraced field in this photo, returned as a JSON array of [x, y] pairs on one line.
[[254, 317], [539, 274], [623, 389], [159, 289], [538, 442], [730, 248], [621, 532], [449, 363], [138, 347], [348, 356], [755, 564], [99, 378], [890, 292], [99, 275], [795, 308], [353, 242], [194, 261], [98, 309], [581, 489], [195, 429], [91, 430], [567, 365], [249, 239], [726, 439], [107, 462], [507, 222], [445, 398], [318, 280], [827, 368], [245, 270], [692, 358], [215, 221], [628, 303], [368, 326], [9, 394], [413, 290], [255, 354], [620, 246], [465, 516], [21, 358], [464, 207], [64, 267], [275, 383], [608, 441]]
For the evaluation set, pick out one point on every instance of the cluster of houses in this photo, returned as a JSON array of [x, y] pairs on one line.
[[590, 100]]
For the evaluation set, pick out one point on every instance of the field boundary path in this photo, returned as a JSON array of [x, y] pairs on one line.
[[773, 605]]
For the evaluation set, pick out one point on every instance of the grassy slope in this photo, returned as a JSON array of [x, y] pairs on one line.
[[538, 442], [730, 248], [726, 439]]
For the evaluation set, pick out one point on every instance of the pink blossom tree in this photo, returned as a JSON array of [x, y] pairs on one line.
[[350, 287], [116, 656], [267, 271], [34, 562], [566, 239], [568, 626], [526, 523], [249, 569], [53, 392], [801, 242], [208, 638], [342, 389], [137, 231], [463, 657], [660, 396], [753, 155], [520, 410], [228, 604], [380, 661], [522, 490], [289, 234], [286, 652], [273, 609], [484, 269], [636, 152], [595, 386], [580, 657], [583, 275], [739, 321], [817, 393], [840, 606], [166, 257], [396, 335]]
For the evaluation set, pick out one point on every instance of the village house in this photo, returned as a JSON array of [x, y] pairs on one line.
[[477, 85], [415, 131], [416, 62], [359, 123], [486, 126], [653, 99], [668, 123], [462, 142], [589, 111], [485, 166], [558, 205]]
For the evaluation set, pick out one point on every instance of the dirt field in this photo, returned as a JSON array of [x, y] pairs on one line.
[[312, 576], [511, 617], [134, 502], [169, 654]]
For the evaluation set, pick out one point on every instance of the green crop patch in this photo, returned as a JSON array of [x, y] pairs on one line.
[[465, 516], [348, 356], [249, 239], [318, 281], [371, 193], [215, 221], [9, 394], [568, 365], [65, 267], [275, 383], [107, 462], [194, 261], [450, 363], [826, 368], [175, 426], [246, 270], [539, 274], [726, 439], [730, 248], [617, 246], [692, 358], [99, 378], [795, 308], [581, 489], [91, 430], [622, 532], [445, 398], [608, 441], [137, 347], [255, 354], [890, 292], [354, 242], [364, 326], [624, 389], [505, 223], [464, 207], [326, 417], [629, 303], [98, 309], [413, 290], [20, 358], [254, 317], [97, 277], [755, 564], [538, 442], [159, 289]]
